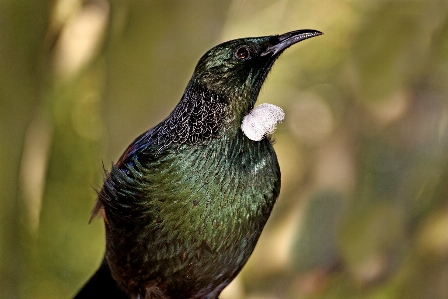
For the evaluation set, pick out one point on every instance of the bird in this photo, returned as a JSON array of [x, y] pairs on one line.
[[186, 202]]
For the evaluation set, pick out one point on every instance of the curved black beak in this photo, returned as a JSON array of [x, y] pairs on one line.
[[285, 40]]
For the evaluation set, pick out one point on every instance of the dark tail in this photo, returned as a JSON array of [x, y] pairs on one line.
[[101, 285]]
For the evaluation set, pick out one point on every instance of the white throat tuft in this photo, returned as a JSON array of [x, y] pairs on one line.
[[262, 121]]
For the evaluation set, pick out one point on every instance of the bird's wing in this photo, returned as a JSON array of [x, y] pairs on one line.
[[96, 210], [140, 144]]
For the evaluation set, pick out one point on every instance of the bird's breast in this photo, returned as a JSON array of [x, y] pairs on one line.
[[201, 211]]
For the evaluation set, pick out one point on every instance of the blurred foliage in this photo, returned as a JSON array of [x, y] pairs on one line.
[[363, 211]]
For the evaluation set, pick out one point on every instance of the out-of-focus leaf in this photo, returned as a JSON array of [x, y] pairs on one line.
[[315, 246], [371, 241], [392, 47]]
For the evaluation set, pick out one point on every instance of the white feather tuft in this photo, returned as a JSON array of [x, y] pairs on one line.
[[261, 121]]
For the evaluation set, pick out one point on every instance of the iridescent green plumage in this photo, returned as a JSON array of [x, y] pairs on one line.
[[203, 210], [187, 201]]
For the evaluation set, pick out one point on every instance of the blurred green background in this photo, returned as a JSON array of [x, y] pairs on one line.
[[363, 211]]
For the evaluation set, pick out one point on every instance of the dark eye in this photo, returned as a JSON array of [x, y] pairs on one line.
[[242, 53]]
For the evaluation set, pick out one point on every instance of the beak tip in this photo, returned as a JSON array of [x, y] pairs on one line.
[[287, 39], [307, 33]]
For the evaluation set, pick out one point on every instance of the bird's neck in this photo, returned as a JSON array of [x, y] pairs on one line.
[[202, 115]]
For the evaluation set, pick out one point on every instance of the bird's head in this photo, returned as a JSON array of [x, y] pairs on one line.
[[222, 92], [238, 68]]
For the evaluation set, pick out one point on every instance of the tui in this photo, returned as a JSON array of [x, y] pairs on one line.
[[186, 203]]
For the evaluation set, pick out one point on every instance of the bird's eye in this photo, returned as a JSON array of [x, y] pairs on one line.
[[242, 53]]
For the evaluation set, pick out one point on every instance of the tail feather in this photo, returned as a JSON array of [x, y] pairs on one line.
[[101, 285]]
